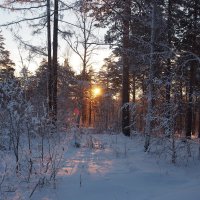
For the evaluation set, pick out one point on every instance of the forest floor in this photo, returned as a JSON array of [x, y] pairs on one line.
[[114, 167]]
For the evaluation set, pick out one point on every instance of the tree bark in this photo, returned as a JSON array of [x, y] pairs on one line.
[[192, 75], [190, 103], [55, 59], [199, 119], [50, 82], [133, 114], [85, 49], [150, 87], [126, 63], [168, 71]]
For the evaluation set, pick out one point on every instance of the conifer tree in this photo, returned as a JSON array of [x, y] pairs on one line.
[[6, 65]]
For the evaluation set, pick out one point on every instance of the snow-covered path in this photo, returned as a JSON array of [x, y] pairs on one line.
[[120, 170]]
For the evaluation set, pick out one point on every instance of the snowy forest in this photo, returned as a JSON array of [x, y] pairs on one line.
[[128, 129]]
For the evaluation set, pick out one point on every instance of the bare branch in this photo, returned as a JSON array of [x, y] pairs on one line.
[[22, 20], [22, 8], [35, 49]]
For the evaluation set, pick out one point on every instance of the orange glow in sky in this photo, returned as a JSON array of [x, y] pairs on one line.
[[96, 91]]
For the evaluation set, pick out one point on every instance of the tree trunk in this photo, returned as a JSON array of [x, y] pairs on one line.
[[192, 75], [84, 59], [194, 118], [150, 87], [190, 103], [125, 58], [168, 72], [50, 82], [199, 119], [55, 59], [133, 114], [90, 105]]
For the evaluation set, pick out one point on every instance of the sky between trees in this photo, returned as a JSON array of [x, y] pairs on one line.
[[32, 63]]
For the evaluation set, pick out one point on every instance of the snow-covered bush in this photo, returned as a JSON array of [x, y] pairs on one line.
[[30, 146]]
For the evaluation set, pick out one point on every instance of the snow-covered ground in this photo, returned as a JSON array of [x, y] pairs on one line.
[[116, 168]]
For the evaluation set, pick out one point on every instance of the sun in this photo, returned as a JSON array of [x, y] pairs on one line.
[[96, 91]]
